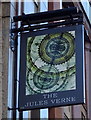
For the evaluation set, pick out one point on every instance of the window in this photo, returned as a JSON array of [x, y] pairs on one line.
[[65, 117], [82, 116], [31, 7], [90, 3]]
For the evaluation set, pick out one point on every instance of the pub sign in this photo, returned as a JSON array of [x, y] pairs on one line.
[[52, 68]]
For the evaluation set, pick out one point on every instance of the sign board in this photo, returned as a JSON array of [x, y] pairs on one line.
[[52, 68]]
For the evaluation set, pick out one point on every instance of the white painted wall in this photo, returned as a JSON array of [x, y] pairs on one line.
[[10, 64]]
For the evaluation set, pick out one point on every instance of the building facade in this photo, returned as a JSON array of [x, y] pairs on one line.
[[8, 68]]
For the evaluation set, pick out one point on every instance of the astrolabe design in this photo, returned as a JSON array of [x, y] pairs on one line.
[[57, 47], [45, 80], [49, 59]]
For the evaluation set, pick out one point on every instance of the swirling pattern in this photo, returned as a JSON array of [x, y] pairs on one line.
[[59, 47]]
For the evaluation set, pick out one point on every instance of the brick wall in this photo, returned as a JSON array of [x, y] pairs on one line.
[[4, 45]]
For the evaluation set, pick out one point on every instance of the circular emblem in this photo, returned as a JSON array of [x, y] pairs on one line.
[[57, 49], [45, 80]]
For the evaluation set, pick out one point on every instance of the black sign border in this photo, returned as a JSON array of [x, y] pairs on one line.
[[78, 94]]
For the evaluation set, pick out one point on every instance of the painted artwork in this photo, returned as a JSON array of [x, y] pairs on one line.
[[52, 70], [51, 63]]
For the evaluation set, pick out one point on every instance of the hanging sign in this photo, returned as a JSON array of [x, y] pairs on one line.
[[52, 68]]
